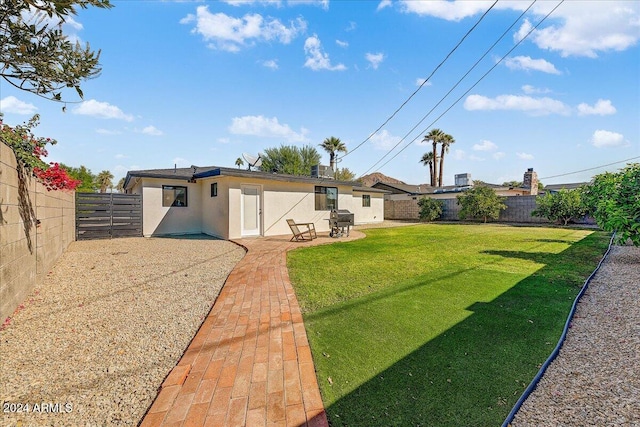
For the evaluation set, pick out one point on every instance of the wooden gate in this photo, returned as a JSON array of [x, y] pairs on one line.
[[108, 215]]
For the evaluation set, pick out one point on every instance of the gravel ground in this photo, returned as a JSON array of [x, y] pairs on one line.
[[106, 326], [595, 380]]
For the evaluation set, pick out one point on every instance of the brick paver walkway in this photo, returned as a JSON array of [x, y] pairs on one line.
[[250, 363]]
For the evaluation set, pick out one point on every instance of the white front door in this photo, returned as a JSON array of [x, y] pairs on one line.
[[250, 210]]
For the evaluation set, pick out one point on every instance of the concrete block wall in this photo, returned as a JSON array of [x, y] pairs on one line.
[[28, 248], [518, 210]]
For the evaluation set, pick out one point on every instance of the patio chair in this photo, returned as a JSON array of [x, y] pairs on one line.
[[299, 233]]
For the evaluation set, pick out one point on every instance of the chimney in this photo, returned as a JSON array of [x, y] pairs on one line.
[[530, 181]]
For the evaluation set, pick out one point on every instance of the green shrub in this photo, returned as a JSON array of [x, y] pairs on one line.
[[430, 209], [481, 202], [563, 206]]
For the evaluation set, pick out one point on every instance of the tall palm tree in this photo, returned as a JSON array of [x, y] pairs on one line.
[[435, 137], [239, 162], [333, 145], [446, 142], [104, 180], [427, 159]]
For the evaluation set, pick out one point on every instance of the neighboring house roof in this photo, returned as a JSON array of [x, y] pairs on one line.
[[196, 172], [404, 188], [369, 189], [558, 187]]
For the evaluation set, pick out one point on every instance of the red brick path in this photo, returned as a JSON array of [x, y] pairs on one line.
[[250, 363]]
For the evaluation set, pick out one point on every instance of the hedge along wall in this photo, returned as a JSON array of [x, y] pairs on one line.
[[28, 249], [518, 210]]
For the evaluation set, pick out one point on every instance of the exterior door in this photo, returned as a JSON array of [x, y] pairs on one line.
[[250, 210]]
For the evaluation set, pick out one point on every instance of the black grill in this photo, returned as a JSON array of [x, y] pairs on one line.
[[338, 220]]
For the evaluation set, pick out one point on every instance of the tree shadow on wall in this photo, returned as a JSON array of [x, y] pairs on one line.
[[25, 207]]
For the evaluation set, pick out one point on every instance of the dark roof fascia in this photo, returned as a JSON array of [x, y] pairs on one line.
[[270, 176], [362, 189]]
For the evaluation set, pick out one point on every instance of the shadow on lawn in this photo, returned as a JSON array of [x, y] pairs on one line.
[[473, 373]]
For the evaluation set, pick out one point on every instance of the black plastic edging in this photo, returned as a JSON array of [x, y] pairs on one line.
[[534, 383]]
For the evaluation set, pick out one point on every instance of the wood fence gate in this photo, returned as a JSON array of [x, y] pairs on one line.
[[108, 215]]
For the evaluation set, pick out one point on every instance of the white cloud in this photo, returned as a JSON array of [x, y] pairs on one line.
[[601, 108], [375, 59], [152, 130], [322, 3], [525, 156], [266, 128], [605, 138], [11, 104], [527, 63], [419, 82], [485, 145], [459, 154], [342, 43], [589, 27], [383, 140], [227, 33], [534, 106], [383, 4], [576, 28], [316, 58], [351, 27], [224, 140], [102, 110], [530, 90], [121, 156], [451, 11], [251, 2], [499, 155], [102, 131], [271, 63]]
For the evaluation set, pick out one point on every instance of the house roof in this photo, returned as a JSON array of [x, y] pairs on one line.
[[569, 186], [195, 172], [405, 188]]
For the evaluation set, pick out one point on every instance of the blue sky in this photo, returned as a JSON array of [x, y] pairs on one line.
[[200, 83]]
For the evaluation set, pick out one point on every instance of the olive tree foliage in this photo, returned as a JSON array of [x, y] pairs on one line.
[[344, 174], [481, 202], [290, 159], [613, 199], [35, 54], [563, 206], [430, 209]]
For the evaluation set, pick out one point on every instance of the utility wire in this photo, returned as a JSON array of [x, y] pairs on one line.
[[454, 86], [471, 88], [423, 83], [590, 169]]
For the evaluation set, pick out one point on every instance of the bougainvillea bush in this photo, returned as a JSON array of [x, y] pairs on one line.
[[29, 151]]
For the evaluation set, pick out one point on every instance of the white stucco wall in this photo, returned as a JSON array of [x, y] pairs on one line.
[[160, 220], [215, 210], [367, 215]]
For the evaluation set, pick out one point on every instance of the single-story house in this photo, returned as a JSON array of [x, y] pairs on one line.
[[233, 203]]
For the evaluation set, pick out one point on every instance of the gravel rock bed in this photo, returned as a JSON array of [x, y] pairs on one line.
[[595, 380], [106, 326]]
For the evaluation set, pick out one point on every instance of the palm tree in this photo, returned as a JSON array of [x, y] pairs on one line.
[[104, 180], [239, 162], [446, 141], [435, 136], [333, 145], [427, 159]]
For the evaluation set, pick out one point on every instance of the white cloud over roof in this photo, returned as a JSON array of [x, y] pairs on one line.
[[604, 138], [265, 127], [603, 107]]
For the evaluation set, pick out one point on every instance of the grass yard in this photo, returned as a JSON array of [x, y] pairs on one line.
[[437, 324]]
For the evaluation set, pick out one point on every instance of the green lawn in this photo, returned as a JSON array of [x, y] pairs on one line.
[[437, 324]]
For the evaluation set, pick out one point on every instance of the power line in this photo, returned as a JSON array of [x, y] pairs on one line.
[[590, 169], [424, 82], [473, 86], [454, 87]]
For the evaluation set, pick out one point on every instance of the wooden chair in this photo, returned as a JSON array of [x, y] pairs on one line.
[[302, 235]]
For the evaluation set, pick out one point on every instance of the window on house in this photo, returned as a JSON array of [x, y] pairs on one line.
[[214, 189], [366, 201], [174, 196], [326, 198]]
